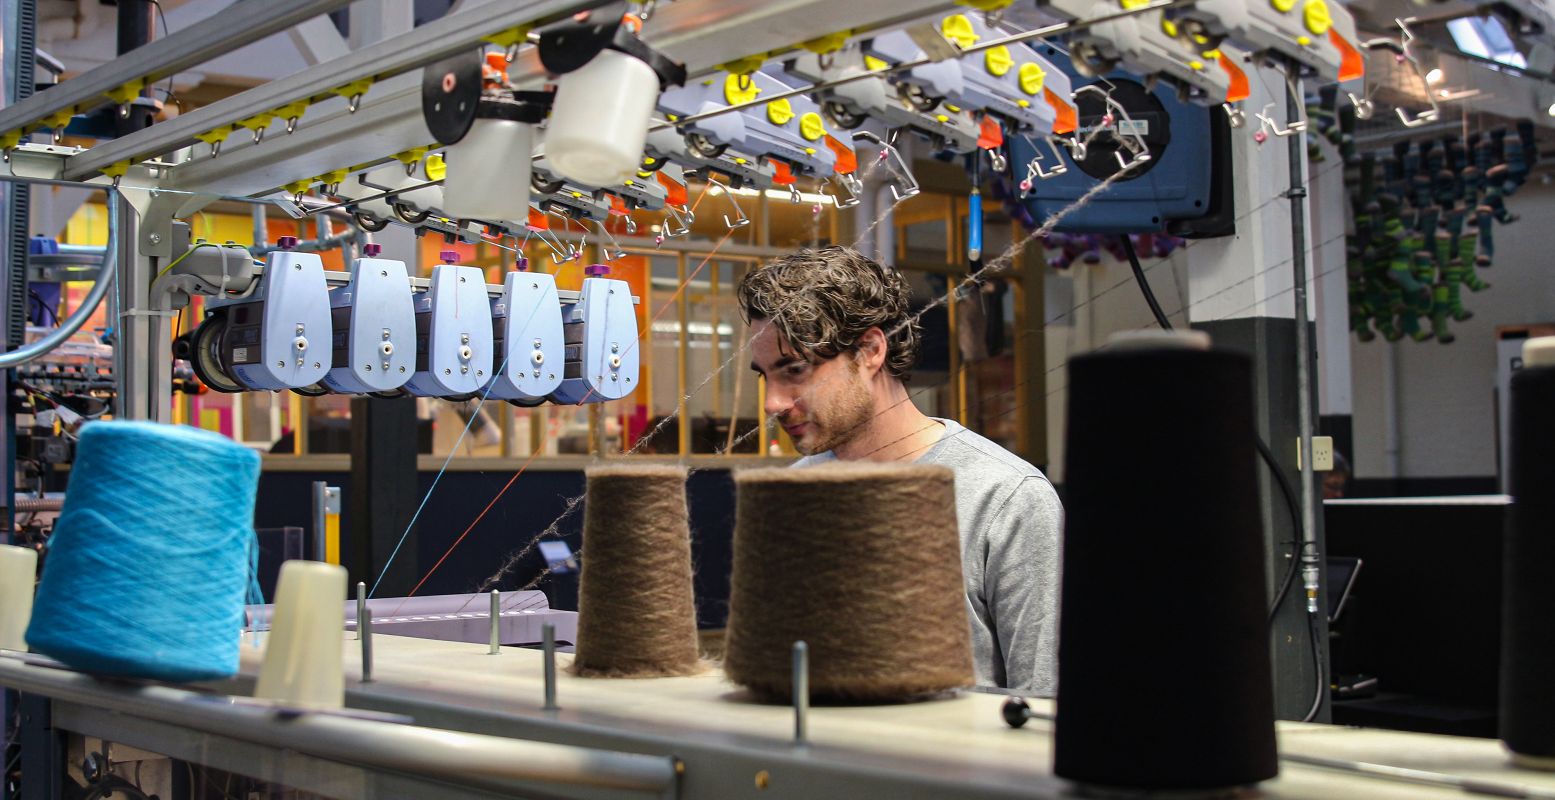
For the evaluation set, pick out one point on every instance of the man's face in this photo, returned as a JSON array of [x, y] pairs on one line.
[[820, 405]]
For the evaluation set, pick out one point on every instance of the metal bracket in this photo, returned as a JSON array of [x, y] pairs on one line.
[[895, 163]]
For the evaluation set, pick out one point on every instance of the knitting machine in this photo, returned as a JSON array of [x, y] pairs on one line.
[[380, 332], [1318, 36]]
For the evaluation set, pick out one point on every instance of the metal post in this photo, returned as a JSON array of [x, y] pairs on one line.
[[361, 606], [364, 627], [320, 500], [496, 622], [548, 647], [1310, 558], [801, 682]]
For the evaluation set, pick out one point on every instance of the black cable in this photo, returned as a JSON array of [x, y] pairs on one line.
[[1279, 478], [162, 17], [44, 306], [1144, 285]]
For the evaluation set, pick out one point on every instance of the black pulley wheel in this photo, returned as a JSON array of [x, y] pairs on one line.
[[206, 352], [839, 113], [450, 91], [920, 100], [414, 218], [369, 223], [704, 147]]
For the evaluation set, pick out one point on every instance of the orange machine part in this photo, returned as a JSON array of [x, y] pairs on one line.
[[782, 175], [537, 221], [675, 191], [617, 206], [1351, 64], [990, 135], [1068, 118], [1239, 89], [847, 160]]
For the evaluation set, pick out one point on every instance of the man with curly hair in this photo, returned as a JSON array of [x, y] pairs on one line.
[[834, 335]]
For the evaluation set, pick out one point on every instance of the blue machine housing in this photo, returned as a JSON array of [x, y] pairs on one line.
[[1176, 184]]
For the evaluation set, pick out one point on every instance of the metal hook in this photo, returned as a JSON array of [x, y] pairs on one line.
[[674, 213], [740, 219], [743, 82], [57, 135], [794, 195], [354, 103], [631, 226], [291, 124], [647, 10], [1364, 108], [215, 148], [996, 159], [606, 240], [259, 133], [825, 61], [1235, 116], [895, 163], [1267, 125], [850, 184]]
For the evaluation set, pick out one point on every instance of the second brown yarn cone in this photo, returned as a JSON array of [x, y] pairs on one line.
[[636, 610], [863, 563]]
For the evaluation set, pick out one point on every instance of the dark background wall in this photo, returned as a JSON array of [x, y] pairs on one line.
[[535, 500]]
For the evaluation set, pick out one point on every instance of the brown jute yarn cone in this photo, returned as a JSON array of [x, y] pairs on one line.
[[863, 563], [636, 612]]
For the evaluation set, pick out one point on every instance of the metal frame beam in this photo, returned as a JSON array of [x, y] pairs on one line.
[[429, 43], [237, 25]]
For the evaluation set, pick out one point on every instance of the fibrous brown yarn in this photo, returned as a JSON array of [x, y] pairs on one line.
[[636, 612], [863, 563]]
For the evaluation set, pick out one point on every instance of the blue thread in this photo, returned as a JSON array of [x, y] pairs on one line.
[[153, 557]]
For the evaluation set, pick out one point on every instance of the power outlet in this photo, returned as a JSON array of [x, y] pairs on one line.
[[1322, 453]]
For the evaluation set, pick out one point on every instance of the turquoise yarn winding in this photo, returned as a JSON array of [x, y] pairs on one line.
[[152, 558]]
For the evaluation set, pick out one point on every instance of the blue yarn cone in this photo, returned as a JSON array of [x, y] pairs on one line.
[[151, 561]]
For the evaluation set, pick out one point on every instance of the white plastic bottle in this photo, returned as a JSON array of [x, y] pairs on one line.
[[488, 170], [599, 123]]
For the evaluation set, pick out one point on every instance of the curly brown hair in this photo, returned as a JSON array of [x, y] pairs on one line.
[[823, 301]]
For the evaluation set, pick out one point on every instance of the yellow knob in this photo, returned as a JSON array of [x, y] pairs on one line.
[[1169, 28], [1318, 19], [875, 64], [436, 169], [942, 118], [1129, 5], [953, 109], [780, 112], [1303, 41], [811, 127], [739, 89], [997, 61], [1031, 77], [958, 29], [1283, 6], [1196, 65]]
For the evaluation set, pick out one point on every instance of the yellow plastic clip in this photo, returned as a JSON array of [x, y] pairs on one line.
[[128, 92], [436, 169], [257, 123], [291, 112], [830, 43], [986, 5], [744, 66], [10, 140], [297, 188], [215, 136], [353, 92], [332, 177], [510, 37]]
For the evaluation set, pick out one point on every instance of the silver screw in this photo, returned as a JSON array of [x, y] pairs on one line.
[[280, 363], [447, 371], [402, 369], [155, 238], [369, 367]]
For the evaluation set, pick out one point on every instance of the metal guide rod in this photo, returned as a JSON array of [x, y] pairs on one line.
[[548, 649], [431, 42], [1036, 33], [496, 622], [361, 606], [801, 683], [364, 628], [237, 25], [459, 757], [320, 501]]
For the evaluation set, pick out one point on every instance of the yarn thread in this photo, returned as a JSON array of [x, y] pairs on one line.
[[636, 608], [154, 555], [863, 563]]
